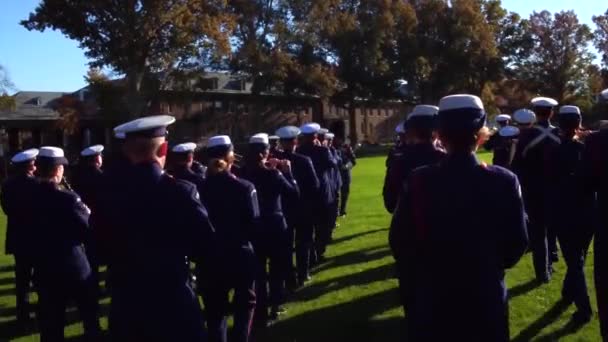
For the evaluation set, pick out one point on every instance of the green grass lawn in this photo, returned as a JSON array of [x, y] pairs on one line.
[[353, 296]]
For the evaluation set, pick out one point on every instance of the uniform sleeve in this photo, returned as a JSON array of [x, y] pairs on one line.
[[201, 234], [518, 164], [401, 224], [513, 225], [287, 185], [78, 217], [313, 179], [392, 185], [5, 199], [6, 207], [328, 159], [251, 211], [588, 173]]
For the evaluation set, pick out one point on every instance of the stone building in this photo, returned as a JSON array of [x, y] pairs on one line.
[[225, 104]]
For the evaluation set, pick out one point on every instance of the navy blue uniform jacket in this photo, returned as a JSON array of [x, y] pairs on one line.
[[17, 202], [324, 165], [454, 251], [155, 221], [411, 157], [60, 229]]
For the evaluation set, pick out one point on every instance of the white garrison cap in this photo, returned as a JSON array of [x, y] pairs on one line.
[[184, 148], [260, 138], [400, 129], [460, 101], [570, 110], [273, 137], [219, 140], [92, 151], [503, 118], [604, 94], [310, 128], [330, 135], [149, 126], [288, 132], [52, 153], [508, 131], [543, 102], [25, 156], [524, 116], [323, 131], [424, 110]]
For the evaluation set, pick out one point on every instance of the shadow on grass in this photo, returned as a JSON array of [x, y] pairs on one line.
[[7, 268], [350, 321], [522, 289], [568, 329], [318, 289], [11, 329], [7, 281], [358, 235], [355, 257], [8, 292], [545, 320]]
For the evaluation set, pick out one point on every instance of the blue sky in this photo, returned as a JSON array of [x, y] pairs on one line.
[[49, 61]]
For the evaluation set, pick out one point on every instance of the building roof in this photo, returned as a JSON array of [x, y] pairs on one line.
[[33, 105], [213, 82]]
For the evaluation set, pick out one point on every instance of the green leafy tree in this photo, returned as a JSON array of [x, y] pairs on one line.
[[601, 35], [560, 59], [136, 38], [353, 36], [450, 47]]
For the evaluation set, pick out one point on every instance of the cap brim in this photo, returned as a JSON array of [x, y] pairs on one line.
[[53, 161]]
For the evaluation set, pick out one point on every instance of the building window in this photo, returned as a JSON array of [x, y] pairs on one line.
[[165, 108], [363, 126], [217, 104]]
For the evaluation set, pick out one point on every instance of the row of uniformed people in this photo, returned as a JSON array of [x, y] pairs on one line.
[[548, 162], [47, 229], [127, 199]]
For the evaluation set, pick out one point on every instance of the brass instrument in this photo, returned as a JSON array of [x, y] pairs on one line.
[[64, 183], [238, 159]]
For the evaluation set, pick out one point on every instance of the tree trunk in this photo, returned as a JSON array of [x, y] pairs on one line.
[[135, 100]]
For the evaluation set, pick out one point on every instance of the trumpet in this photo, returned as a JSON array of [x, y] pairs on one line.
[[65, 184], [238, 159]]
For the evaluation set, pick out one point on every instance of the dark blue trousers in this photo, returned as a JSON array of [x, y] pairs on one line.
[[537, 231], [575, 285], [238, 274], [344, 192], [53, 297], [272, 272], [23, 278], [304, 247]]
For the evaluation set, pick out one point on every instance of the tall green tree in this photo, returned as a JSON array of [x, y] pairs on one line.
[[353, 36], [451, 47], [601, 36], [136, 37], [560, 59]]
